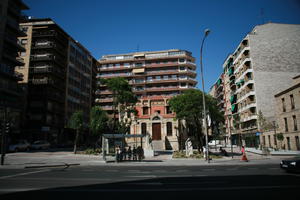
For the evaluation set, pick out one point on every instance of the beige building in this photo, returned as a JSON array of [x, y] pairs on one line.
[[260, 67], [288, 117]]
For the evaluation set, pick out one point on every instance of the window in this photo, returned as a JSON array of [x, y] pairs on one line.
[[144, 128], [286, 125], [292, 102], [269, 140], [168, 110], [145, 111], [288, 143], [297, 142], [295, 123], [283, 105], [169, 128], [181, 60]]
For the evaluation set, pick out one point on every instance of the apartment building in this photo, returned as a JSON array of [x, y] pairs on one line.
[[155, 77], [288, 118], [57, 77], [259, 68], [10, 46]]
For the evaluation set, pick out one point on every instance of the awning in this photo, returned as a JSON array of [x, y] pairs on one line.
[[140, 70], [232, 98], [233, 107]]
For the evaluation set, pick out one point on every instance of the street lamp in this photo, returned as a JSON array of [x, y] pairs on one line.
[[206, 32]]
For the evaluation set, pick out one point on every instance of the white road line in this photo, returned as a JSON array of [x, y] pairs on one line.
[[24, 174], [142, 176]]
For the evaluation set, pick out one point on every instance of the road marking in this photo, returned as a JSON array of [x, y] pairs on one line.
[[142, 176], [24, 174]]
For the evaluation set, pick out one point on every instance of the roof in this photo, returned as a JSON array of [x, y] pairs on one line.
[[287, 90]]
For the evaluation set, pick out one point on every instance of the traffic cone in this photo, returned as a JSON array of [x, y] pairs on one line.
[[244, 158]]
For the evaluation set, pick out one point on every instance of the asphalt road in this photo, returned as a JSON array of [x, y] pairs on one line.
[[149, 182]]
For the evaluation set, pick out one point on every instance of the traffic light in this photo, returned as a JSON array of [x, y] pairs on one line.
[[7, 127]]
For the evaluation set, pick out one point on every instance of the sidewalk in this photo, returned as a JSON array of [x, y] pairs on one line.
[[65, 159]]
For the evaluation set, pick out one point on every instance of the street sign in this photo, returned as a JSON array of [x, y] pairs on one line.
[[258, 133]]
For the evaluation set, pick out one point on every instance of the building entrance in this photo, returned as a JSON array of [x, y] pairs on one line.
[[156, 131]]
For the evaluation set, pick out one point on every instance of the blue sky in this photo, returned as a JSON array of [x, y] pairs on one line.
[[123, 26]]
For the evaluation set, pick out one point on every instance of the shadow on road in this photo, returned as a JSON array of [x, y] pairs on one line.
[[212, 187]]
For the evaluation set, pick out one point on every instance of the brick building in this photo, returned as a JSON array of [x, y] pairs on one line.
[[155, 77]]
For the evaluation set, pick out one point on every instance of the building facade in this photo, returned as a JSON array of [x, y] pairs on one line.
[[288, 118], [260, 67], [10, 47], [155, 77], [57, 77]]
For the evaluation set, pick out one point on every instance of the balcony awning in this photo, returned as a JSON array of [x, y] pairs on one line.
[[233, 107], [141, 70], [232, 98]]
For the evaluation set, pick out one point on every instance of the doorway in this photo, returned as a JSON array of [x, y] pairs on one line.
[[156, 131]]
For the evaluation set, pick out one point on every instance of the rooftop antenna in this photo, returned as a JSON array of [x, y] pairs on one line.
[[262, 15]]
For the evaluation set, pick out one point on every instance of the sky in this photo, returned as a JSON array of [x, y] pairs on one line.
[[125, 26]]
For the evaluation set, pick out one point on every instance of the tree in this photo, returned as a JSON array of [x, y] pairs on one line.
[[123, 98], [76, 122], [188, 107], [263, 123], [98, 121]]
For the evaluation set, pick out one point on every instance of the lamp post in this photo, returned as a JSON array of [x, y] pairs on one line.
[[206, 32]]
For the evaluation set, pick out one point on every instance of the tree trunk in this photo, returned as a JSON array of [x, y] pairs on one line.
[[76, 140]]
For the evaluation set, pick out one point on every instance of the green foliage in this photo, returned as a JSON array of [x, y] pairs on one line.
[[98, 120], [189, 107], [279, 136], [123, 99], [90, 151], [76, 120], [263, 124]]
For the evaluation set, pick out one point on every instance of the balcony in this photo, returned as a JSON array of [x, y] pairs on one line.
[[107, 107], [38, 57], [249, 117], [37, 33], [41, 45], [40, 81]]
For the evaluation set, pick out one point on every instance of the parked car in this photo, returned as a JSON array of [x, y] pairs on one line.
[[40, 144], [21, 145], [292, 165]]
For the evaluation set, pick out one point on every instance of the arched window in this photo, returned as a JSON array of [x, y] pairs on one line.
[[144, 128], [169, 128]]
